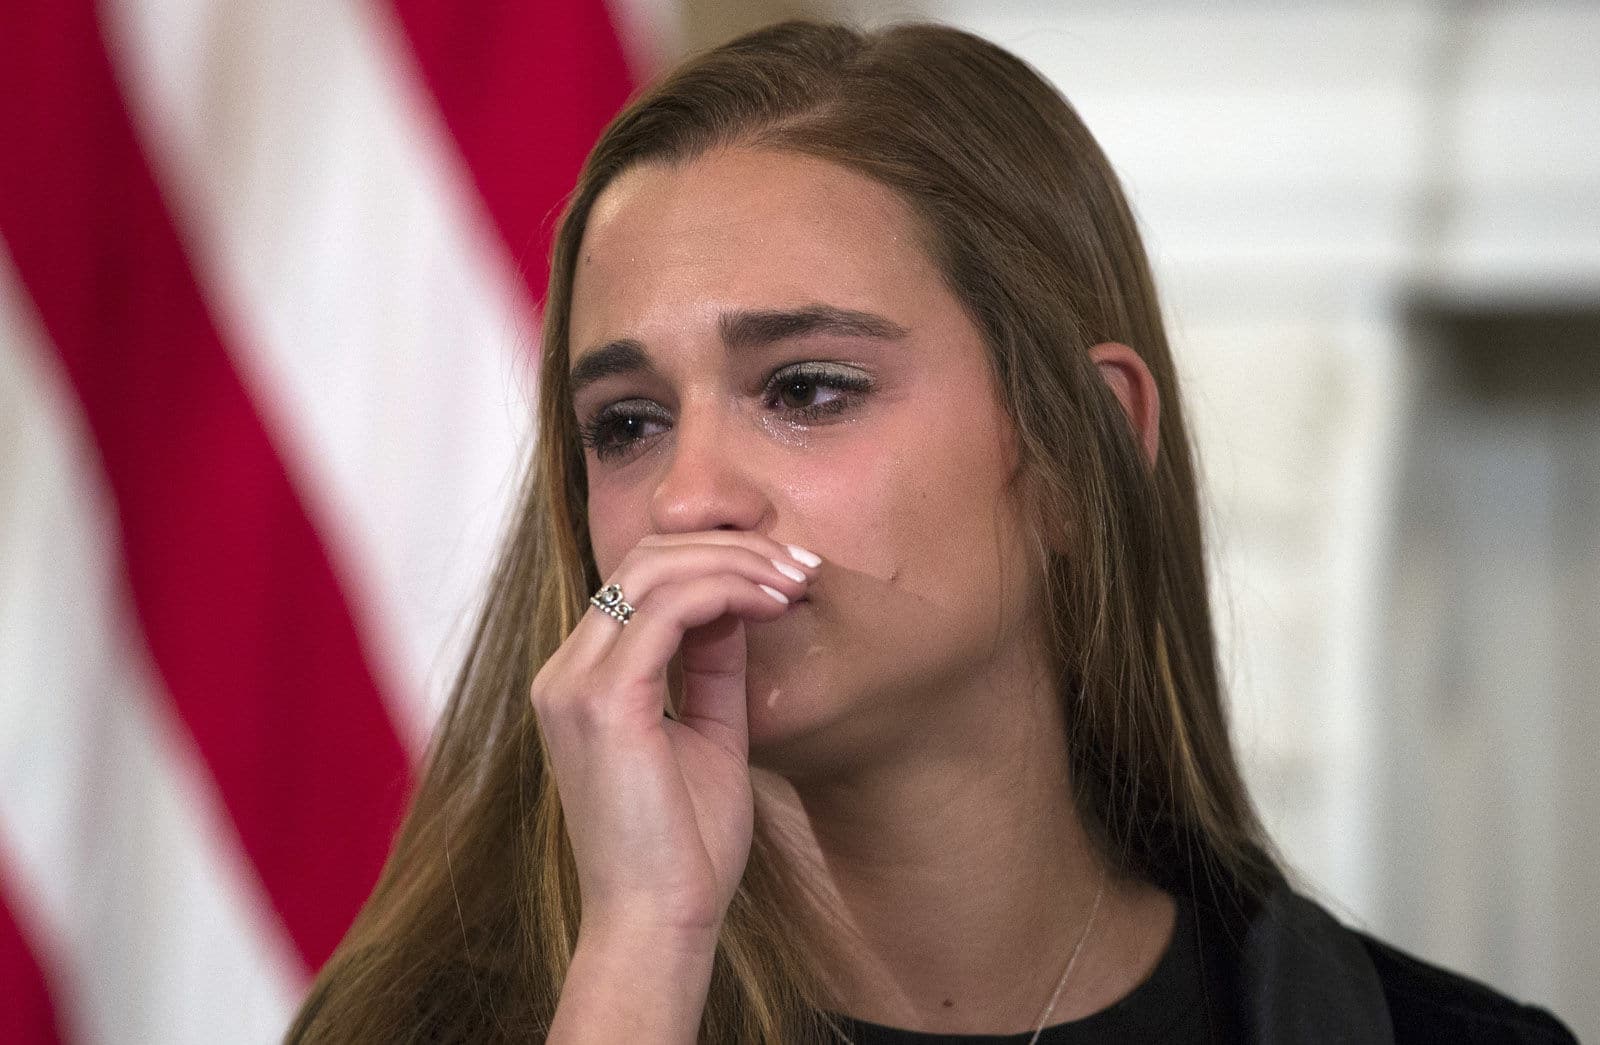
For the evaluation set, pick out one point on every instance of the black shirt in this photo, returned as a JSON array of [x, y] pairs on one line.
[[1284, 973], [1168, 1008]]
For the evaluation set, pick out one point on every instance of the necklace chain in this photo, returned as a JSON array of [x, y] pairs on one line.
[[1072, 960]]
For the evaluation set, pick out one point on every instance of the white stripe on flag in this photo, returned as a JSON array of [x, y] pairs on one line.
[[152, 919], [369, 305]]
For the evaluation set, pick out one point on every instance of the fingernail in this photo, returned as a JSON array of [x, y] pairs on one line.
[[801, 555], [775, 593], [788, 571]]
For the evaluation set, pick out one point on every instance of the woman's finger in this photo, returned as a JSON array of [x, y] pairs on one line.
[[650, 566], [690, 615], [732, 537]]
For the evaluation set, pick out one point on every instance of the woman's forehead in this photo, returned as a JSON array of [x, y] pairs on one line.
[[730, 182], [739, 229]]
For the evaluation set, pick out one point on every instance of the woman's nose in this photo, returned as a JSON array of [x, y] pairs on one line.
[[709, 480]]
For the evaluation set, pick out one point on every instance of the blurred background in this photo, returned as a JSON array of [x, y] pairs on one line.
[[269, 275]]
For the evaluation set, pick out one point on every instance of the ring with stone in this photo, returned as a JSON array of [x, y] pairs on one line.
[[610, 602]]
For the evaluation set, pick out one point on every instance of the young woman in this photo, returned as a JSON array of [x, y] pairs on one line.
[[848, 674]]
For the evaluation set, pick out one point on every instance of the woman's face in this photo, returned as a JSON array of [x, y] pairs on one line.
[[797, 367]]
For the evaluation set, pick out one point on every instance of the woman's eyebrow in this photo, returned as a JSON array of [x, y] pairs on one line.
[[756, 327], [746, 328], [622, 356]]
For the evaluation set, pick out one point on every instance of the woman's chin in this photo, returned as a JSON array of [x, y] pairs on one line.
[[781, 657], [804, 694], [779, 704], [789, 693]]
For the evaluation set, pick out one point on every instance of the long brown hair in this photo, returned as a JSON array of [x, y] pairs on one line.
[[472, 925]]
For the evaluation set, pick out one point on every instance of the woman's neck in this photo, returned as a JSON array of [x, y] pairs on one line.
[[949, 881]]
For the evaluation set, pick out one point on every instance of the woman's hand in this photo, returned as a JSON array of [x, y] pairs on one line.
[[660, 812]]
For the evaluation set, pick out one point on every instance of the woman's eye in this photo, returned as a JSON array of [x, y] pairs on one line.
[[797, 392], [801, 394], [615, 430], [810, 391]]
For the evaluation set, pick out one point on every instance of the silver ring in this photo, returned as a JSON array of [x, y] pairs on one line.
[[609, 600]]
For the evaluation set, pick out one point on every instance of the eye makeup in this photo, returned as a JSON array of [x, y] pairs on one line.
[[798, 394]]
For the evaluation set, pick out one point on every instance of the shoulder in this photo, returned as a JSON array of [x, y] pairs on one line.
[[1296, 974], [1429, 1004]]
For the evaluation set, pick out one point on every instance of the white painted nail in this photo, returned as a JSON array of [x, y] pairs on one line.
[[801, 555], [775, 593], [788, 571]]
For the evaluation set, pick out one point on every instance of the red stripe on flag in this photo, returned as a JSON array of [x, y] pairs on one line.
[[27, 1016], [525, 90], [238, 602]]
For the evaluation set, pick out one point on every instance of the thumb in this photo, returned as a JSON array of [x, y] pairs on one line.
[[713, 699]]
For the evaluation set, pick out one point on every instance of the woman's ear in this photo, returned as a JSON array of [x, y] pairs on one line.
[[1135, 388]]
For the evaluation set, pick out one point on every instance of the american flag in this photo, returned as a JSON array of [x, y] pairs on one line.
[[268, 279]]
